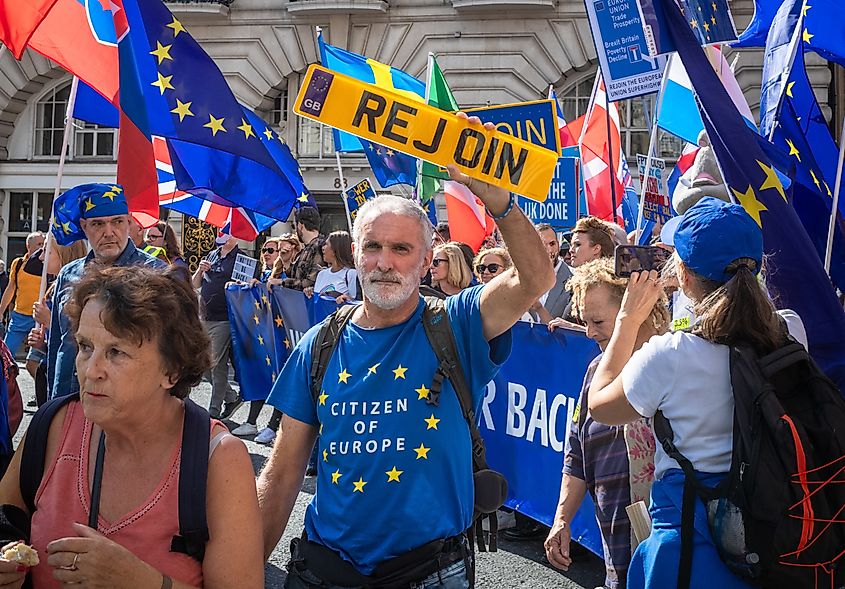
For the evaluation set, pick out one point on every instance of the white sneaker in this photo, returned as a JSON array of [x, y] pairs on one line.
[[245, 430], [265, 436]]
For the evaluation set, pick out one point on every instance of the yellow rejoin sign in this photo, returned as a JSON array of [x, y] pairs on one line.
[[426, 132]]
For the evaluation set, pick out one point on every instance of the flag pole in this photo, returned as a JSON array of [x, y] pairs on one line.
[[835, 208], [611, 169], [793, 50], [590, 105], [652, 145], [71, 102], [343, 190]]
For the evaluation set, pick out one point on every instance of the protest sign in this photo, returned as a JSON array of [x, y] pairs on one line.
[[244, 269], [400, 123], [621, 46], [534, 121], [358, 195], [559, 209], [657, 205]]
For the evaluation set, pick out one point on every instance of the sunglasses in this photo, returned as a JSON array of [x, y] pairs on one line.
[[437, 261], [268, 250], [151, 236], [491, 268]]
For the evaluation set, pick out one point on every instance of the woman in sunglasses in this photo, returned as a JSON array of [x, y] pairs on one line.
[[491, 262], [450, 273], [269, 255]]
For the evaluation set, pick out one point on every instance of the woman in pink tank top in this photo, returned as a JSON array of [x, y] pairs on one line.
[[113, 456]]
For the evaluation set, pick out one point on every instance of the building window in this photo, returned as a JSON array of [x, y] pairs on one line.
[[279, 114], [28, 212], [314, 139], [88, 140], [634, 115]]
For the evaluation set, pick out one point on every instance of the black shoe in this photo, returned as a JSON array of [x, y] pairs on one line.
[[229, 408], [524, 533], [32, 403]]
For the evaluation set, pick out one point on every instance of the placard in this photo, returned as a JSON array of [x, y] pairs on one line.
[[244, 269], [358, 195], [624, 56], [534, 121], [657, 205], [558, 210], [425, 132]]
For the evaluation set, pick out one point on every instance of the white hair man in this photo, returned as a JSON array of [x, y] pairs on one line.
[[394, 480]]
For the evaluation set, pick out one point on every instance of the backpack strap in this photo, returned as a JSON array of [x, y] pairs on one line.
[[193, 482], [325, 343], [35, 448]]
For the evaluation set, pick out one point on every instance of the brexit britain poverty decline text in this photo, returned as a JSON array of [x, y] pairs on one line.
[[426, 132]]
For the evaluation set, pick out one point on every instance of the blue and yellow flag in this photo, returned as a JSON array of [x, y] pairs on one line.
[[390, 167], [366, 70], [794, 270]]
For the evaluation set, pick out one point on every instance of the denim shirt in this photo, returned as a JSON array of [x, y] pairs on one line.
[[61, 347]]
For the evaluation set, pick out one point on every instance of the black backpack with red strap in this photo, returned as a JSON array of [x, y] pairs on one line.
[[778, 518]]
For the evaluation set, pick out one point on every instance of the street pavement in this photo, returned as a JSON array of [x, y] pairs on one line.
[[516, 564]]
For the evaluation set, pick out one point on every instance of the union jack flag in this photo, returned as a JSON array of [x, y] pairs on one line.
[[237, 221]]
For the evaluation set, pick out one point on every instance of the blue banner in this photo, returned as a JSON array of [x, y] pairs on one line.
[[534, 121], [525, 415], [559, 209], [358, 195]]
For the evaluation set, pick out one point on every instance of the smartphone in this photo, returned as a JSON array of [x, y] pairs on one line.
[[638, 258]]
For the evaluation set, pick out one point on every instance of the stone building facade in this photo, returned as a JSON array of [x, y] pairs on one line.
[[492, 52]]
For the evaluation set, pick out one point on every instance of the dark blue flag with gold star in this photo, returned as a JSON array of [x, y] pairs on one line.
[[258, 339], [794, 271], [390, 167], [709, 20]]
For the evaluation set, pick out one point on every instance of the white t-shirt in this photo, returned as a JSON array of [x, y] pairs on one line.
[[342, 281], [689, 379]]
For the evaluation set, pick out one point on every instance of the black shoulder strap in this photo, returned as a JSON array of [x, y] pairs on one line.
[[325, 344], [35, 448], [442, 340], [16, 270], [193, 480]]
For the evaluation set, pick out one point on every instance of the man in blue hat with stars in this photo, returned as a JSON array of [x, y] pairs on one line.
[[100, 214]]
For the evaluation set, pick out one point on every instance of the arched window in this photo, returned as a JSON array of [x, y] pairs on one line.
[[88, 140], [634, 117]]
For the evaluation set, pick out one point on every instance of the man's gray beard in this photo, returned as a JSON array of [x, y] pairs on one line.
[[400, 293]]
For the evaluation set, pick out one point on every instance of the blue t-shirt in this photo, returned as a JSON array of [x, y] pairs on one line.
[[394, 472]]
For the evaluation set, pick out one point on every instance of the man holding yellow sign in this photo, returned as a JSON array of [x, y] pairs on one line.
[[426, 132]]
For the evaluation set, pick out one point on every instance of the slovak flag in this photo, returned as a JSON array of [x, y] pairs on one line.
[[237, 221], [600, 183]]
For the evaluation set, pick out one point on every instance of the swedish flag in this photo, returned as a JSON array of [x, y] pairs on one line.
[[366, 70]]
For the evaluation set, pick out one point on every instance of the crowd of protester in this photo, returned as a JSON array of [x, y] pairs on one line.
[[123, 322]]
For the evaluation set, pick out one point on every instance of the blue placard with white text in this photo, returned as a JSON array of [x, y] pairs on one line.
[[358, 195], [623, 49], [558, 210], [534, 121]]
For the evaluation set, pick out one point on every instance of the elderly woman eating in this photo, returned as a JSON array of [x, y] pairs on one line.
[[129, 454]]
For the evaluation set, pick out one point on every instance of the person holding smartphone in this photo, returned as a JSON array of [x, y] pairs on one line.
[[339, 280]]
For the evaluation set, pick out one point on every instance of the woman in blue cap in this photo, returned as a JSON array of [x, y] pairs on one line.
[[686, 375]]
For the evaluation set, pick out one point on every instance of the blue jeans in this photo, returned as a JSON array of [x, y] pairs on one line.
[[18, 329], [453, 576]]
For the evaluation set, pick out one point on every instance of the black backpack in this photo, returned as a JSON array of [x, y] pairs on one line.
[[778, 518], [491, 487], [193, 475]]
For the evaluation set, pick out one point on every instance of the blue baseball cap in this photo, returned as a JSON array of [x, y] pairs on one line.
[[712, 234]]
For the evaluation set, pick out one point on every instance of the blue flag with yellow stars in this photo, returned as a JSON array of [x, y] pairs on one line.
[[801, 130], [823, 29], [85, 201], [258, 339], [171, 88], [709, 20], [390, 167], [366, 70], [794, 270]]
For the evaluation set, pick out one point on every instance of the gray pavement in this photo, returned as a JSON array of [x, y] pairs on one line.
[[516, 564]]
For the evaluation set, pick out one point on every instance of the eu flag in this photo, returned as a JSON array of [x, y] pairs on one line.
[[366, 70], [822, 32], [390, 167], [259, 342], [171, 88], [795, 273], [709, 20]]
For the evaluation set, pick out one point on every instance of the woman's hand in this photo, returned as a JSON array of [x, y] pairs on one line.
[[308, 291], [41, 312], [36, 340], [93, 561], [342, 299], [643, 291], [561, 323], [557, 545], [274, 282], [12, 574]]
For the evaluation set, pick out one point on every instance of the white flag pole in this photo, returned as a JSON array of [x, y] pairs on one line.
[[71, 101], [590, 106], [835, 205], [652, 144], [343, 191]]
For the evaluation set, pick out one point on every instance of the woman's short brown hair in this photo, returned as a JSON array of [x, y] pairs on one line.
[[598, 232], [145, 305]]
